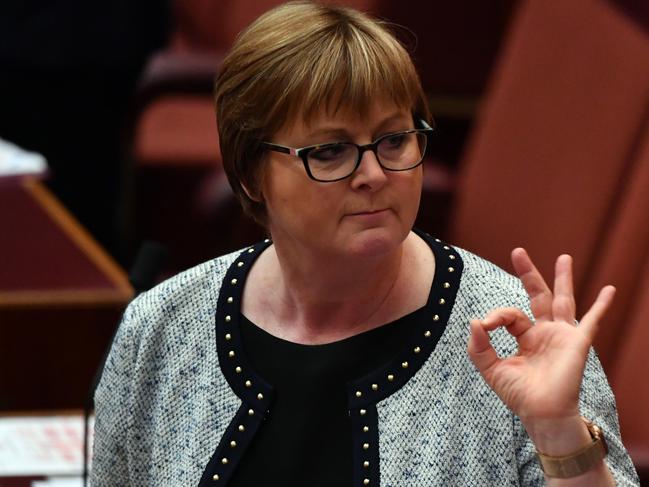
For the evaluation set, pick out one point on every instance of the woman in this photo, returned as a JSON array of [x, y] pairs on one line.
[[336, 354]]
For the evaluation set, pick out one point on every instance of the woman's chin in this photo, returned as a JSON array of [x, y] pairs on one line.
[[374, 242]]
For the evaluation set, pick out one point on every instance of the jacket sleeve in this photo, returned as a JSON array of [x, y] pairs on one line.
[[596, 403], [113, 407]]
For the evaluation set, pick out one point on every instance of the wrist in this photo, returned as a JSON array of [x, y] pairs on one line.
[[558, 436], [585, 460]]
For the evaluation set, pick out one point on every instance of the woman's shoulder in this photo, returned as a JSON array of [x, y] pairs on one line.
[[198, 284], [489, 284], [174, 318], [187, 300], [483, 287], [478, 275]]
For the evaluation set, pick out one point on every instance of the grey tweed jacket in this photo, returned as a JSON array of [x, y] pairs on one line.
[[178, 404]]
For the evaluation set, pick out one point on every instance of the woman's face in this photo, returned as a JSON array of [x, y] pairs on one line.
[[369, 213]]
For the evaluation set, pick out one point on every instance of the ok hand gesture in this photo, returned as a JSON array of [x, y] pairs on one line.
[[541, 383]]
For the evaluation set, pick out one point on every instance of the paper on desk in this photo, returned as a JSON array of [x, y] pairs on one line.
[[61, 482], [14, 160], [44, 445]]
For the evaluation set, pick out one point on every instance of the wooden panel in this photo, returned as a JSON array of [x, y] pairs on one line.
[[61, 297]]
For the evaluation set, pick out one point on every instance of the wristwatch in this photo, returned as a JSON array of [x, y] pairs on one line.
[[578, 462]]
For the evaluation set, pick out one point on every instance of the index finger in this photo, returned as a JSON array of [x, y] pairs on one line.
[[538, 291]]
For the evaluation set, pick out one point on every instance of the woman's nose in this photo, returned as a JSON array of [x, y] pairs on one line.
[[369, 174]]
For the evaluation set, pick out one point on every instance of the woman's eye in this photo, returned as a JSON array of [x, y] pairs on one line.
[[329, 153], [393, 141]]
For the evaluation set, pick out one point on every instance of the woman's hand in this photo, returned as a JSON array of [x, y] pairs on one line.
[[541, 383]]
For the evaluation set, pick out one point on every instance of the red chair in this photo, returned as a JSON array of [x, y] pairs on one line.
[[629, 376], [559, 162], [557, 143]]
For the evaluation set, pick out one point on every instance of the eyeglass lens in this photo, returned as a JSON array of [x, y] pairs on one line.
[[397, 152]]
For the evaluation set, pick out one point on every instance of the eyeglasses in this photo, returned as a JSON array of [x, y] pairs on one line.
[[398, 151]]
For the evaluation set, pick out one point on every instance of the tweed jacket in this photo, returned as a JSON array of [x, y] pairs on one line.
[[178, 402]]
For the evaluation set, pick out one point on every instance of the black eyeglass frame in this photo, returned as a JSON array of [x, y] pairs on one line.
[[303, 152]]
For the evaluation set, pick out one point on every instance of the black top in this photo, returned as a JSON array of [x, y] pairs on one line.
[[306, 439], [329, 393]]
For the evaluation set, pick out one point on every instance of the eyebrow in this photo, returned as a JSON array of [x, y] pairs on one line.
[[338, 133], [335, 133]]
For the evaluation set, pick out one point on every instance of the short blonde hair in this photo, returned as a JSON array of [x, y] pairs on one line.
[[294, 61]]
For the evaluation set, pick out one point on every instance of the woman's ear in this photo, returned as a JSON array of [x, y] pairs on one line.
[[254, 183], [256, 196]]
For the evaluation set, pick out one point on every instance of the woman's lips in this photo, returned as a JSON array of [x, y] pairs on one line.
[[369, 213]]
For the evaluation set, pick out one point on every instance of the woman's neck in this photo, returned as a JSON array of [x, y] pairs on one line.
[[307, 299]]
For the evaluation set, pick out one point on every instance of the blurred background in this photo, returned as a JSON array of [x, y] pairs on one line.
[[542, 109]]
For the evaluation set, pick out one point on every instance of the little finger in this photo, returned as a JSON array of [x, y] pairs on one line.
[[590, 321]]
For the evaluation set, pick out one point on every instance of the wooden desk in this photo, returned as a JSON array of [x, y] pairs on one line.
[[61, 297]]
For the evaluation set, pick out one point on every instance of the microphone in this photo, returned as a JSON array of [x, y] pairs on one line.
[[148, 263]]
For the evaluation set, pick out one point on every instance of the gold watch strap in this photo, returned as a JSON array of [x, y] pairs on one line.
[[578, 462]]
